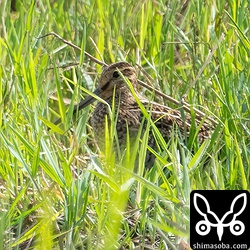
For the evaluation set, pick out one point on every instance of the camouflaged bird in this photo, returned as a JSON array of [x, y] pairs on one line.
[[129, 113]]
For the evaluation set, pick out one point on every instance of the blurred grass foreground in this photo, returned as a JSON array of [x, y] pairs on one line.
[[57, 190]]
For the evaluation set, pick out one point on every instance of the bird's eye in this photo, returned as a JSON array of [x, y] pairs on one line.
[[116, 74]]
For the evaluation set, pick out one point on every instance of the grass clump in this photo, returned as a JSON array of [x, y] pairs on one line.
[[57, 190]]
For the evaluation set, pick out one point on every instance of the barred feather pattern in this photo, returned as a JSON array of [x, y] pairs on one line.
[[129, 114]]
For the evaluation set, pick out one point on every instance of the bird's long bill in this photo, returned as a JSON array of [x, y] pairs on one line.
[[87, 101]]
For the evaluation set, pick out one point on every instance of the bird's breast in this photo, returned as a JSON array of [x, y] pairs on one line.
[[126, 117]]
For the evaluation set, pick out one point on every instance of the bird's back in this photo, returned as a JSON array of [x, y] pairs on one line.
[[130, 117]]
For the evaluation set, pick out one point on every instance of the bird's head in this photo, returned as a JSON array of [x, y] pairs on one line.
[[111, 78]]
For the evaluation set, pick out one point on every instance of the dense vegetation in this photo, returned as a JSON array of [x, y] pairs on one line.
[[57, 190]]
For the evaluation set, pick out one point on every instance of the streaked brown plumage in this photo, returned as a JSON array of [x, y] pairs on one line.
[[129, 114]]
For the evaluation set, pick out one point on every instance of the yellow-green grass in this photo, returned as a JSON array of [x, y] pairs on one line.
[[58, 191]]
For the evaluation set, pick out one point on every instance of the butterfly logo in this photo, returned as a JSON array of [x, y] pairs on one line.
[[203, 227]]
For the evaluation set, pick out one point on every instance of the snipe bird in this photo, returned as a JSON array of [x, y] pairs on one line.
[[129, 113]]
